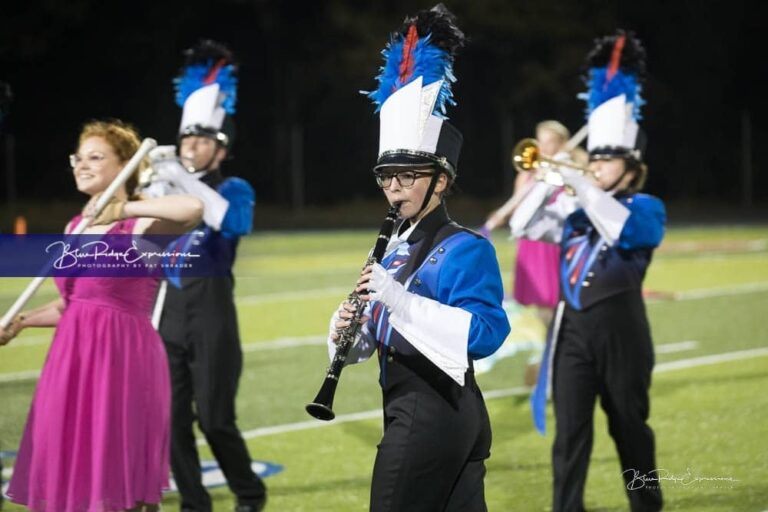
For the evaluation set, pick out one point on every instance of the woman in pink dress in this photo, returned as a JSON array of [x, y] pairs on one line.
[[536, 281], [97, 435]]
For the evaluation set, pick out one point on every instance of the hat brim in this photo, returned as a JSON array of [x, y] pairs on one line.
[[205, 131], [611, 152], [403, 158]]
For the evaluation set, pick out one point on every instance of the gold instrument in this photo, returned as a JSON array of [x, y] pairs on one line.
[[527, 158]]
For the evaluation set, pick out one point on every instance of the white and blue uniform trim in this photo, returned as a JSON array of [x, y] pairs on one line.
[[219, 246], [457, 279]]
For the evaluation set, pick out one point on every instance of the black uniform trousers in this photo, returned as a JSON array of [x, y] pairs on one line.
[[206, 361], [606, 351], [436, 439]]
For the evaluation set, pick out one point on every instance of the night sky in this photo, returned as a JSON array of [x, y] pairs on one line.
[[303, 63]]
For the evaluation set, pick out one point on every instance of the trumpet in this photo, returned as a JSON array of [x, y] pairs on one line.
[[527, 158]]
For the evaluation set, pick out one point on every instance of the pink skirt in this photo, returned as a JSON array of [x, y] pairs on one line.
[[536, 274], [97, 437]]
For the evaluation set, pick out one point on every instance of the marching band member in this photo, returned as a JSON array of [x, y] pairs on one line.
[[436, 297], [98, 432], [198, 322], [602, 342]]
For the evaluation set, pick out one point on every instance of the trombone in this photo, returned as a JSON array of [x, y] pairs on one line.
[[527, 158]]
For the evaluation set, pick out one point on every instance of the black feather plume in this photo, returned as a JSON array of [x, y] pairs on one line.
[[441, 23], [205, 63], [615, 66], [207, 50], [632, 55]]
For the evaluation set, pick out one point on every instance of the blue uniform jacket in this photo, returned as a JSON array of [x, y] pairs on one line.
[[458, 268], [591, 270]]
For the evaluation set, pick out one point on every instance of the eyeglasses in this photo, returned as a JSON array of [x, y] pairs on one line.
[[91, 158], [406, 179]]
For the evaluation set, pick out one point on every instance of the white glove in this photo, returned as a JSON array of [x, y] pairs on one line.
[[360, 351], [438, 331], [162, 153], [606, 213], [168, 168], [385, 289], [333, 331]]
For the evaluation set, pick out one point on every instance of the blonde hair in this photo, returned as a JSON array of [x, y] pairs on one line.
[[556, 127], [124, 140], [580, 156]]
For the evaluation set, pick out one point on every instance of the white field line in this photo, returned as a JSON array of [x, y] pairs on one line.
[[490, 395], [298, 341], [317, 339], [319, 293], [304, 341], [29, 341], [756, 245], [277, 344], [681, 346], [320, 339], [493, 394], [711, 359], [706, 293], [301, 341], [44, 291], [19, 376]]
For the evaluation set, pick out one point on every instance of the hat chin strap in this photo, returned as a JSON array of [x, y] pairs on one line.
[[206, 167], [430, 191], [617, 181]]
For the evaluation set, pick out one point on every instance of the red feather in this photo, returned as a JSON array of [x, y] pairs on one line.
[[406, 66], [618, 46], [213, 73]]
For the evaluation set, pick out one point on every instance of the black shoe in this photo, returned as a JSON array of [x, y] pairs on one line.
[[252, 507]]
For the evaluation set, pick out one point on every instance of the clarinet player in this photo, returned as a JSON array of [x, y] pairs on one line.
[[435, 300]]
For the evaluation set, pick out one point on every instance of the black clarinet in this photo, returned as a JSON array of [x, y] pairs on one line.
[[322, 406]]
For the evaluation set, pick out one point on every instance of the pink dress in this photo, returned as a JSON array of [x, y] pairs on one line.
[[537, 281], [98, 431], [536, 273]]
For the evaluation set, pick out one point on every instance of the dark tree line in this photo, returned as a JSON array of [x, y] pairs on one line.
[[305, 134]]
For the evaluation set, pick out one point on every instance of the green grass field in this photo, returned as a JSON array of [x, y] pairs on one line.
[[710, 415]]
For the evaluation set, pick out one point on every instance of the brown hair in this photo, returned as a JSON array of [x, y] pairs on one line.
[[641, 173], [124, 140]]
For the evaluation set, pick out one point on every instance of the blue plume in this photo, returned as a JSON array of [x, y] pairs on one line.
[[193, 78], [598, 92], [430, 62]]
